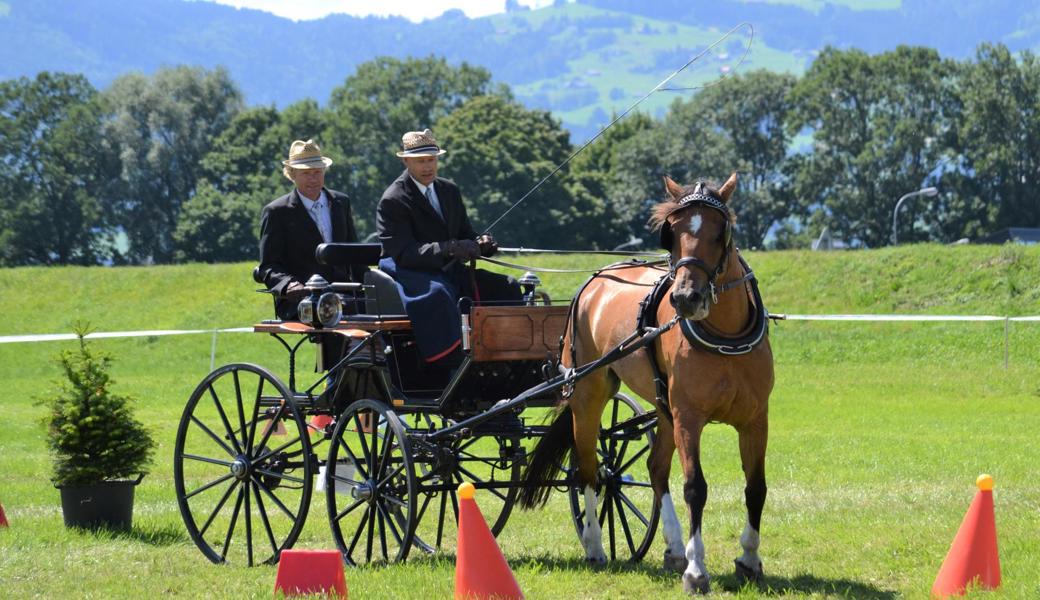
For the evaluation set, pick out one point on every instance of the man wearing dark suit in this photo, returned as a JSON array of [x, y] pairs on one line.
[[427, 239], [292, 226]]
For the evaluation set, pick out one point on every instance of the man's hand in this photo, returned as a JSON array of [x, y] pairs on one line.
[[294, 292], [463, 249], [488, 245]]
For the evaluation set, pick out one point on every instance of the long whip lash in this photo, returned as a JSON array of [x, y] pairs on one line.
[[656, 88]]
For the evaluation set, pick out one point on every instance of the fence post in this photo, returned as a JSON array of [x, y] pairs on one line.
[[1006, 321], [213, 352]]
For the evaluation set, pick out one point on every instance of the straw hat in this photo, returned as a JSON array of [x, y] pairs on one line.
[[419, 143], [305, 155]]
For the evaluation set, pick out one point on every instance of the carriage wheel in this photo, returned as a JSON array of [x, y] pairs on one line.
[[370, 485], [628, 512], [242, 466], [492, 464]]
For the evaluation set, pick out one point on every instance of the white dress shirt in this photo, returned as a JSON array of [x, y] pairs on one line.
[[320, 211], [431, 196]]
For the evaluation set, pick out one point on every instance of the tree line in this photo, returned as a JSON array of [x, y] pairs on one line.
[[174, 167]]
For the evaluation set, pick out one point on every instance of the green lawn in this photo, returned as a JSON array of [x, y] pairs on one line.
[[878, 432]]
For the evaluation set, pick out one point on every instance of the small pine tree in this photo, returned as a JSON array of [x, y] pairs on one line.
[[92, 432]]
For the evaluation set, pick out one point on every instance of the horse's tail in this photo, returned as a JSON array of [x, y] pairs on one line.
[[550, 453]]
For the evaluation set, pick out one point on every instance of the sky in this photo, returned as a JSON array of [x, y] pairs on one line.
[[410, 9]]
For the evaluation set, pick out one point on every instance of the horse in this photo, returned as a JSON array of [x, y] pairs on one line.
[[704, 385]]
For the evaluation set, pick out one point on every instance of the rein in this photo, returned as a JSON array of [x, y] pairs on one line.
[[631, 263]]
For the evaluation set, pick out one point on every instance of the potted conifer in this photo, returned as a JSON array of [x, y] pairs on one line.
[[100, 450]]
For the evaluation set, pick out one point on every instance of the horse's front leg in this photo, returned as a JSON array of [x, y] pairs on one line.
[[659, 465], [695, 491], [753, 459]]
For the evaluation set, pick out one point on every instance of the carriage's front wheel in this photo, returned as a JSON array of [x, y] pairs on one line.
[[370, 485], [628, 512], [243, 466]]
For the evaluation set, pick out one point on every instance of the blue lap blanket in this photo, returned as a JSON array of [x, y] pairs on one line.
[[430, 298]]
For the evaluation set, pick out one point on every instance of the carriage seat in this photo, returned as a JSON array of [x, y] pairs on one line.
[[382, 300]]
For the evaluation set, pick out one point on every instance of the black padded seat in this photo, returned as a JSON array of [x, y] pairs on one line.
[[382, 299]]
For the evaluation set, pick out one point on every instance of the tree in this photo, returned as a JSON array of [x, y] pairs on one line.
[[589, 183], [218, 227], [163, 126], [998, 142], [55, 172], [376, 105], [874, 122], [751, 110], [497, 151]]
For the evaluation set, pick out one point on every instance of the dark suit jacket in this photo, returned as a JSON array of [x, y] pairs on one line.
[[288, 239], [409, 228]]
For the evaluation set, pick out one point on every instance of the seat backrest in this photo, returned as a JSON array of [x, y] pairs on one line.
[[348, 255], [383, 298]]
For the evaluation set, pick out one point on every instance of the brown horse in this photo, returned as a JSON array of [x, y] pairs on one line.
[[711, 286]]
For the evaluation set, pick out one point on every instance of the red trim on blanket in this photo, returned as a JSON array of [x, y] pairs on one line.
[[445, 353]]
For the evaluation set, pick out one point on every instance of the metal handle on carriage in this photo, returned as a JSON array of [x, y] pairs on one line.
[[636, 341]]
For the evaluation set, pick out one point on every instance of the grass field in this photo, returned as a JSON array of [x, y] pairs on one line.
[[878, 432]]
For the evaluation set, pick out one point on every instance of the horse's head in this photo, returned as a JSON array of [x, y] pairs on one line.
[[697, 229]]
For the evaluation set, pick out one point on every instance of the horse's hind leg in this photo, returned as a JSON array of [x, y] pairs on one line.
[[659, 465], [753, 458], [587, 402]]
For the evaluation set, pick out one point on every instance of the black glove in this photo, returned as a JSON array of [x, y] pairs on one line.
[[463, 249], [294, 292], [488, 245]]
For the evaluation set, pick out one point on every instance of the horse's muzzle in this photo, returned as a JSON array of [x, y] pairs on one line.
[[690, 303]]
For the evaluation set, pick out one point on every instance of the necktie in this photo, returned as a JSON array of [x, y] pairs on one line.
[[319, 220], [433, 202]]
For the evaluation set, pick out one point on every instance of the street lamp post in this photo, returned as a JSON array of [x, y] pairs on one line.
[[928, 191]]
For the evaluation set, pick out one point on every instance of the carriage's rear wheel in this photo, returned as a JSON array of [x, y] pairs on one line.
[[370, 485], [243, 466], [491, 463], [628, 512]]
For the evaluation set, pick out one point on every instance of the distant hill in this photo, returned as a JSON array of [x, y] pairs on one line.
[[580, 60]]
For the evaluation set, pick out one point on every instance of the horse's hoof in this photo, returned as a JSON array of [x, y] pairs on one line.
[[745, 574], [695, 585], [675, 562], [596, 561]]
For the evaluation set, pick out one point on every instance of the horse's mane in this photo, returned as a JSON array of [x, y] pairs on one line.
[[660, 211]]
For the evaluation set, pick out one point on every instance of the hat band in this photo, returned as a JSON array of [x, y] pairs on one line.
[[430, 148], [306, 161]]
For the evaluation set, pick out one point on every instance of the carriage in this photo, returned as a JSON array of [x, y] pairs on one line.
[[387, 440]]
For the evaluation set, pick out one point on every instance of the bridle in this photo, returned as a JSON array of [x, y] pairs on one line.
[[701, 196]]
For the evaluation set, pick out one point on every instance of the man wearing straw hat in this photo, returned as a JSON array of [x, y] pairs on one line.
[[292, 226], [427, 240]]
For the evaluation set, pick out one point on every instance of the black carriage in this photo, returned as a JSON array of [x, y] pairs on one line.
[[387, 440]]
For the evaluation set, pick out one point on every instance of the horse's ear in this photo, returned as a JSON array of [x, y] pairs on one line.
[[727, 188], [674, 189]]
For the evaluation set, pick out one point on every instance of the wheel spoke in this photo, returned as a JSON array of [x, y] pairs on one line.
[[220, 505], [255, 415], [241, 410], [249, 526], [274, 499], [473, 477], [271, 427], [635, 457], [215, 482], [357, 534], [206, 459], [346, 511], [393, 527], [632, 507], [623, 519], [381, 518], [358, 463], [212, 435], [224, 419], [231, 526], [397, 471], [273, 451], [263, 517]]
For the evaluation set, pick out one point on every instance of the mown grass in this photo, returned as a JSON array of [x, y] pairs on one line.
[[878, 431]]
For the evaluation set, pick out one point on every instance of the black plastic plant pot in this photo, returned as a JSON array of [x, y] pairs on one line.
[[105, 505]]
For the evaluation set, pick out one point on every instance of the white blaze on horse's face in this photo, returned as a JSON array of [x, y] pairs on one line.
[[695, 224]]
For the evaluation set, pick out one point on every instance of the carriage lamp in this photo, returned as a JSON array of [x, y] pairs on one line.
[[530, 282], [322, 308]]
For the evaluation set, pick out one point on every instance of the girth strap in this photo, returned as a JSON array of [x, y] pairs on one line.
[[647, 317]]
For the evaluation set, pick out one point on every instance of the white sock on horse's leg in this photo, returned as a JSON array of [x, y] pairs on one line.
[[749, 541], [695, 578], [591, 534], [674, 553]]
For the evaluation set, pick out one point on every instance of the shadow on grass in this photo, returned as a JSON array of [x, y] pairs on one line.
[[807, 584], [166, 535]]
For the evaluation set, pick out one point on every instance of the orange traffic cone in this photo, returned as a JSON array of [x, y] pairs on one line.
[[320, 422], [972, 558], [481, 572], [3, 517], [306, 572]]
